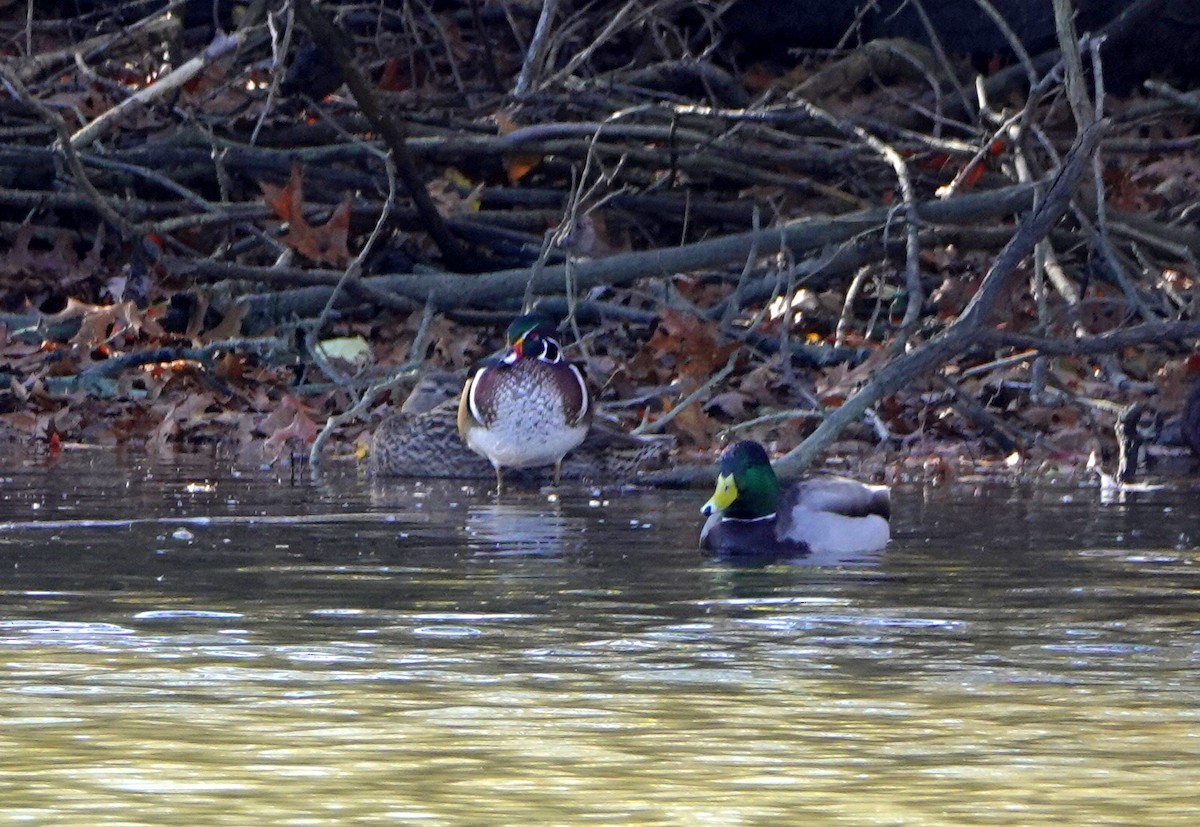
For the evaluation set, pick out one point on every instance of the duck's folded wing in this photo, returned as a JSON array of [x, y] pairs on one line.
[[837, 495], [835, 514]]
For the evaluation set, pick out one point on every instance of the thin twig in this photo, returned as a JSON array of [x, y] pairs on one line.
[[221, 45], [331, 37], [660, 423], [403, 374], [537, 48], [98, 202], [971, 322], [912, 226]]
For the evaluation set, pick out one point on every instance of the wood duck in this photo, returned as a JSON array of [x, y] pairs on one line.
[[421, 440], [530, 407], [751, 518]]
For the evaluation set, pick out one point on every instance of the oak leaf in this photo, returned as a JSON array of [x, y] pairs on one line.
[[691, 342], [325, 243], [102, 323], [518, 164], [301, 428], [694, 425]]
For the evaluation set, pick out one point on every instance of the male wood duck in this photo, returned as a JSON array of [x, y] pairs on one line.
[[530, 407], [421, 441], [751, 518]]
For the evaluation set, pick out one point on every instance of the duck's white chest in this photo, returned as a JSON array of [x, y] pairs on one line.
[[524, 425]]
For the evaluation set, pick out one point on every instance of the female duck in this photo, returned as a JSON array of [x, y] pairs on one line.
[[750, 517]]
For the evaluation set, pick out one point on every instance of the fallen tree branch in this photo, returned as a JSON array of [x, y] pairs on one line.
[[326, 33], [128, 361], [966, 329], [143, 35], [1101, 343], [92, 196], [221, 45], [450, 291]]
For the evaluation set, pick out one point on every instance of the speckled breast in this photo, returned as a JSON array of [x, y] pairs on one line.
[[530, 411]]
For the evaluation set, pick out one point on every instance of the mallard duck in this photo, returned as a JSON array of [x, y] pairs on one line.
[[529, 408], [751, 517]]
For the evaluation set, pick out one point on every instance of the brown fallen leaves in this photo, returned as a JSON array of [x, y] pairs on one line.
[[325, 243], [100, 324], [65, 391], [29, 263]]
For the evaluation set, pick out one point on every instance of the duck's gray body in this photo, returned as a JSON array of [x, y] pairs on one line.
[[829, 514]]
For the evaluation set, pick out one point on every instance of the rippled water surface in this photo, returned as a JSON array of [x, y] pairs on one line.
[[197, 646]]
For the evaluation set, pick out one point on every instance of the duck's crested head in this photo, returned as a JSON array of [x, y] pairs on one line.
[[534, 335], [531, 325], [747, 488]]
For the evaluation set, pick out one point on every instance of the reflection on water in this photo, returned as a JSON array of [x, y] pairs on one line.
[[190, 647], [507, 528]]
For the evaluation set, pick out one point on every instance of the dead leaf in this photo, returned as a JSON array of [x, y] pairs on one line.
[[730, 403], [230, 326], [840, 381], [60, 264], [1174, 380], [103, 323], [951, 296], [349, 353], [301, 428], [455, 194], [175, 417], [1175, 179], [591, 238], [690, 342], [519, 164], [694, 425], [327, 243]]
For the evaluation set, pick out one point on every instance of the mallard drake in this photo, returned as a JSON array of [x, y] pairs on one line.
[[751, 517], [530, 407]]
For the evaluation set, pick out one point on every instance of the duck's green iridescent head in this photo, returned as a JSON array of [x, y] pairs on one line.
[[534, 335], [747, 488], [531, 325]]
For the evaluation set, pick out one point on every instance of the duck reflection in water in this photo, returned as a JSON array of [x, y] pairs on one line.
[[514, 529]]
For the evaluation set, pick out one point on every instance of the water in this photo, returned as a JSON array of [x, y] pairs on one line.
[[187, 646]]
